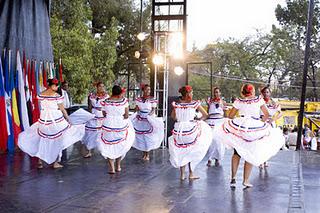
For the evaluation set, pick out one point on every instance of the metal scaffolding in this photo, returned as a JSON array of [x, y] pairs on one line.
[[168, 23]]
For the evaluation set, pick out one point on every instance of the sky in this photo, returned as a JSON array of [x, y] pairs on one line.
[[210, 20]]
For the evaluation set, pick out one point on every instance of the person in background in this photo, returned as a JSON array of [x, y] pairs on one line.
[[65, 94], [217, 112], [307, 136], [286, 136], [314, 140]]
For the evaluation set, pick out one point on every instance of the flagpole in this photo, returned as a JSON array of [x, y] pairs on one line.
[[305, 72]]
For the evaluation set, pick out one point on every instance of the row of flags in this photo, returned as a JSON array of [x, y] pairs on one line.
[[20, 83]]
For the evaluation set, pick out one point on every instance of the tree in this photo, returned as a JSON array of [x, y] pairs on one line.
[[73, 43], [128, 15], [293, 21], [86, 59]]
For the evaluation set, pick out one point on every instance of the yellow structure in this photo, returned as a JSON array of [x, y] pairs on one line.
[[290, 111]]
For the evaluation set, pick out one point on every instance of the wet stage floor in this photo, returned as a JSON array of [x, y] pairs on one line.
[[83, 185]]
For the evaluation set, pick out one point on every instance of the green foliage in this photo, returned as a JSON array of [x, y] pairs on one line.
[[84, 58], [105, 54], [275, 58]]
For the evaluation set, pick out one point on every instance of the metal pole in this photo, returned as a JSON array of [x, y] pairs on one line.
[[211, 79], [140, 62], [128, 82], [305, 71], [187, 74]]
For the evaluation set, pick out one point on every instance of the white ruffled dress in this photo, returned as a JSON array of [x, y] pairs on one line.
[[117, 135], [148, 128], [51, 134], [254, 140], [215, 119], [93, 126], [190, 139]]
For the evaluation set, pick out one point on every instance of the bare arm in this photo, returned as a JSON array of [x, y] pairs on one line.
[[153, 109], [136, 109], [265, 113], [203, 112], [126, 113], [233, 112], [64, 112], [224, 109], [89, 104], [173, 114]]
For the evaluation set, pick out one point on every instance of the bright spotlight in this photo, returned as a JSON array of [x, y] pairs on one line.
[[137, 54], [142, 36], [158, 59], [178, 70]]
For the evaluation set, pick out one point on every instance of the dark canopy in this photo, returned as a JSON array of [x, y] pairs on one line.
[[25, 25]]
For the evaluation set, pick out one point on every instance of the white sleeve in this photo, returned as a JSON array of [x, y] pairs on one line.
[[236, 104]]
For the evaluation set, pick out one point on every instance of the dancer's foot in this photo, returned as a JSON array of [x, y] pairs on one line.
[[57, 165], [88, 155], [182, 177], [147, 158], [193, 177], [233, 183], [217, 163], [111, 172], [118, 169], [247, 184], [40, 165], [209, 163]]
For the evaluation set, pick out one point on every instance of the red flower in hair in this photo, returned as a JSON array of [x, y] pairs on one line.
[[123, 90], [249, 88], [55, 81], [188, 88], [142, 86]]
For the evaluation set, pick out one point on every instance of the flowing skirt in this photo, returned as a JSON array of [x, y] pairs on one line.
[[149, 131], [189, 143], [92, 132], [47, 141], [254, 140], [216, 149], [116, 138]]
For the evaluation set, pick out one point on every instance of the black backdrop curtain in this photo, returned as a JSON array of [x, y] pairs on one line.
[[25, 25]]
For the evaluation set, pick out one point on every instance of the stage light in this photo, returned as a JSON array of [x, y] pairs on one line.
[[158, 59], [178, 70]]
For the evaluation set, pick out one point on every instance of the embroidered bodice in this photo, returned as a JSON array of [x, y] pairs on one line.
[[115, 107], [249, 107], [96, 103], [185, 111]]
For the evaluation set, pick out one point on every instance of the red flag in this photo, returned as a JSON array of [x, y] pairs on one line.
[[3, 114], [60, 70], [44, 76], [28, 91], [35, 110]]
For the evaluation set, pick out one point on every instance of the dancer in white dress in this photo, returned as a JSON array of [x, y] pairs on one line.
[[254, 140], [216, 111], [148, 128], [93, 127], [117, 134], [274, 110], [190, 138], [47, 138]]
